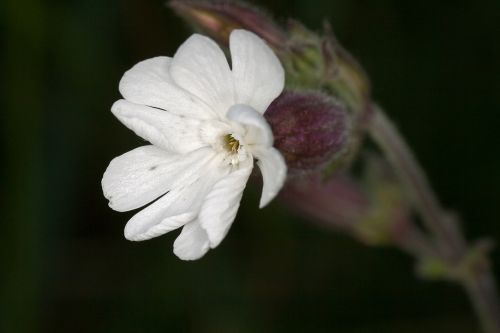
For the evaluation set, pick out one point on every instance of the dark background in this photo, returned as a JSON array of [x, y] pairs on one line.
[[435, 66]]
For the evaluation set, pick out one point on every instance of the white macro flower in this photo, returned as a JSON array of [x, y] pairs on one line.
[[205, 123]]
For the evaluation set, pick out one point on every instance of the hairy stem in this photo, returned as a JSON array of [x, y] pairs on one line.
[[438, 221], [442, 226], [482, 291]]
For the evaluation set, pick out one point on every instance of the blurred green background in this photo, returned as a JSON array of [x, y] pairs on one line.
[[65, 266]]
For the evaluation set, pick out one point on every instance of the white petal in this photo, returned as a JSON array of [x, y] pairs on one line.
[[258, 75], [149, 83], [258, 131], [164, 129], [163, 215], [273, 169], [200, 67], [142, 175], [182, 203], [221, 204], [192, 243]]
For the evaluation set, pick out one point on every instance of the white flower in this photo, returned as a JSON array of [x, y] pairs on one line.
[[205, 123]]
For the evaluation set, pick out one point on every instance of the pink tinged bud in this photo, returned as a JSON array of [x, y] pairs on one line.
[[218, 18], [372, 209], [309, 128], [338, 202]]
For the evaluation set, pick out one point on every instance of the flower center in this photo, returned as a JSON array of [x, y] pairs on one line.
[[231, 144]]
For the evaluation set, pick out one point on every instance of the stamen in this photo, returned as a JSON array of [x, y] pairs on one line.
[[231, 144]]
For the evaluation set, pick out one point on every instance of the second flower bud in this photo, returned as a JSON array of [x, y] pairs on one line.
[[310, 129]]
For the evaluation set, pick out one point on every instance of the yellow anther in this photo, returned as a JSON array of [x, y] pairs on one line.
[[231, 143]]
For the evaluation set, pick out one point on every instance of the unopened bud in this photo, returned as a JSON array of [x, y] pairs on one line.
[[339, 202], [344, 74], [371, 209], [218, 18], [314, 61], [309, 128], [303, 60]]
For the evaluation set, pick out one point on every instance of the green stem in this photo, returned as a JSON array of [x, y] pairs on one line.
[[442, 226]]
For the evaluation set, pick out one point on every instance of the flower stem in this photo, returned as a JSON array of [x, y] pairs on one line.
[[442, 226], [482, 291], [439, 222]]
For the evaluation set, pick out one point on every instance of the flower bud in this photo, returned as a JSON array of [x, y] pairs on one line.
[[338, 203], [344, 74], [303, 60], [309, 128], [314, 61], [218, 18], [372, 209]]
